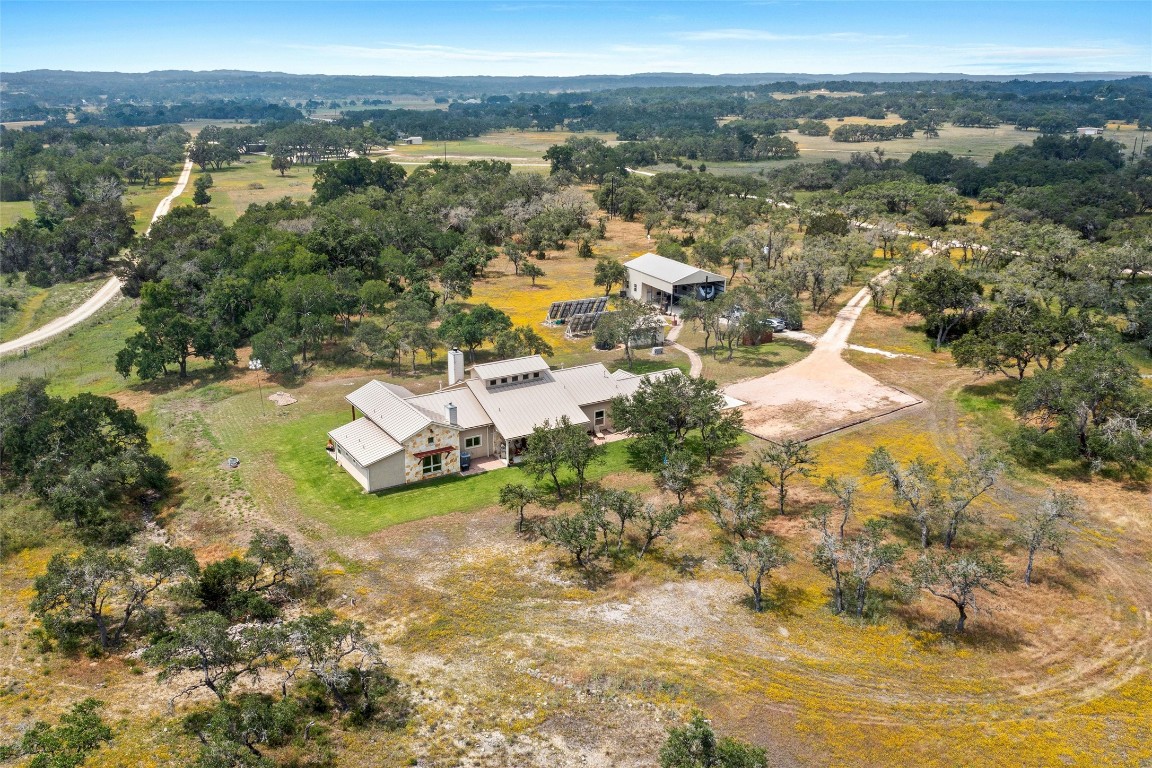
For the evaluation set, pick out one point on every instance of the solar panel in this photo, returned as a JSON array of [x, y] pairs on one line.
[[561, 311], [582, 324]]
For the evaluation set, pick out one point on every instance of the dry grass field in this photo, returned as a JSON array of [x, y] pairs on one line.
[[516, 658]]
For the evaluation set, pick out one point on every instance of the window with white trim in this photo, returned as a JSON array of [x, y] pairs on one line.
[[433, 464], [474, 442], [598, 418]]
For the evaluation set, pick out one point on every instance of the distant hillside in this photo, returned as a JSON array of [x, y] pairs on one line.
[[53, 87]]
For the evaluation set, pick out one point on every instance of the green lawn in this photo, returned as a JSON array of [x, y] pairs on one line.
[[746, 362], [326, 492]]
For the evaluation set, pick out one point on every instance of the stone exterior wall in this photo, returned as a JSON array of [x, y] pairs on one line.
[[441, 437]]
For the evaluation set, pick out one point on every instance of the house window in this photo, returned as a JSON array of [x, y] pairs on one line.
[[433, 464], [598, 418], [536, 375], [492, 383], [431, 441], [515, 378], [504, 380], [474, 442]]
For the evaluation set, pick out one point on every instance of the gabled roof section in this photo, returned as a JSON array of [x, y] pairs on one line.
[[588, 384], [388, 411], [516, 408], [671, 271], [365, 441], [469, 413], [513, 367]]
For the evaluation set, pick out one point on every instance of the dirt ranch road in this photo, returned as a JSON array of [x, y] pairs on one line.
[[109, 291], [820, 393]]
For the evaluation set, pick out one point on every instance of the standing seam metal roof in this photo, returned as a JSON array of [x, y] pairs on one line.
[[516, 409], [469, 412], [669, 270], [365, 441], [388, 411], [515, 366]]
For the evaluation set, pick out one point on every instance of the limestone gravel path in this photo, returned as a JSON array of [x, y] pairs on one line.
[[108, 292]]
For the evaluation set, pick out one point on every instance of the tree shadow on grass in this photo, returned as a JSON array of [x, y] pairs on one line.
[[195, 379]]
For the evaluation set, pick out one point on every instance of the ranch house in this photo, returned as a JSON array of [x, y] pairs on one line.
[[399, 438], [653, 279]]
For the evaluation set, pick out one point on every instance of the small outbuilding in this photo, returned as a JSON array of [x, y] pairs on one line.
[[663, 282], [1090, 131], [414, 140]]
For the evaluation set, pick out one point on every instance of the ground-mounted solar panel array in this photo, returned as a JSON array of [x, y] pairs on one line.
[[562, 311], [583, 324]]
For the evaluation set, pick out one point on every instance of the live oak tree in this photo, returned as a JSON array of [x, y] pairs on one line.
[[281, 163], [86, 458], [976, 473], [915, 486], [532, 270], [579, 451], [1047, 526], [957, 578], [472, 328], [736, 502], [80, 732], [678, 474], [609, 272], [174, 329], [944, 297], [695, 745], [1012, 337], [546, 451], [828, 554], [663, 412], [1092, 407], [625, 506], [783, 461], [103, 592], [654, 522], [578, 533], [515, 497], [520, 341], [869, 554], [755, 559]]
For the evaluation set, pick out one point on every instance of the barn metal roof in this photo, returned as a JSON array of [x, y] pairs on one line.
[[388, 410], [365, 441], [671, 271]]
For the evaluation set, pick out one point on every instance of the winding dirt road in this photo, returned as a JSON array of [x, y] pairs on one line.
[[108, 292]]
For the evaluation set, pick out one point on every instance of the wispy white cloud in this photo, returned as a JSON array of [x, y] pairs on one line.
[[763, 35]]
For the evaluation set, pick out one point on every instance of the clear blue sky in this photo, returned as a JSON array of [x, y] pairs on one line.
[[552, 37]]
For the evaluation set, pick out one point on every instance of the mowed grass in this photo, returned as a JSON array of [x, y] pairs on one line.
[[746, 362], [43, 305], [291, 443], [251, 181], [979, 144], [10, 213]]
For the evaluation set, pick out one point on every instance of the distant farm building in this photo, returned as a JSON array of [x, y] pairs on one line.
[[1089, 131], [653, 279], [413, 140], [397, 439]]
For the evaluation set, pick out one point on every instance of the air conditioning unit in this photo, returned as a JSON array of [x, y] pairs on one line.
[[657, 350]]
